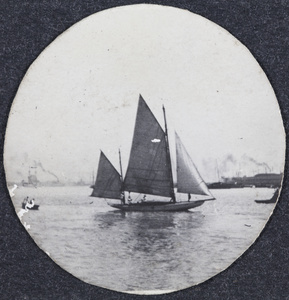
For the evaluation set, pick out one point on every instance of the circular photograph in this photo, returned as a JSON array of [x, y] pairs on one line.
[[145, 149]]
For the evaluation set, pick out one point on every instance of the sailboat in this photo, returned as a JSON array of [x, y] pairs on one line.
[[32, 178], [273, 199], [149, 171]]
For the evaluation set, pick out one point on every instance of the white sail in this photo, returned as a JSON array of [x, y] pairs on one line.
[[189, 180]]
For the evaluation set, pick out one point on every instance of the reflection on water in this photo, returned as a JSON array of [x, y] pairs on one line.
[[149, 233], [129, 251], [154, 242], [148, 221]]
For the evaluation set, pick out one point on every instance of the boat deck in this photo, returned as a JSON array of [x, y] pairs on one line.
[[158, 206]]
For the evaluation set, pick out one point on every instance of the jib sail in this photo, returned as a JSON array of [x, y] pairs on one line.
[[188, 178]]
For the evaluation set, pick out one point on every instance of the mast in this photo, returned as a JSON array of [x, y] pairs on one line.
[[121, 176], [169, 157], [218, 173], [93, 180], [119, 155]]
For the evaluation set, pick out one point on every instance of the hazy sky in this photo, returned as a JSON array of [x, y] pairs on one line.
[[81, 95]]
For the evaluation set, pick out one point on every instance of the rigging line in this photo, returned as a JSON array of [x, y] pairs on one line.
[[154, 170], [169, 157], [199, 184], [138, 197], [149, 181]]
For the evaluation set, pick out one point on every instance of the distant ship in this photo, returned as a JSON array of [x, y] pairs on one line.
[[149, 171], [93, 181], [269, 180], [32, 178], [224, 185]]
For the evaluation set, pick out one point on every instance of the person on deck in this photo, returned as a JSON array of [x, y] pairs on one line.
[[122, 198], [129, 198]]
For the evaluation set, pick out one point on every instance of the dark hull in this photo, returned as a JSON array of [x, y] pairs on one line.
[[266, 201], [158, 206], [272, 200], [34, 207]]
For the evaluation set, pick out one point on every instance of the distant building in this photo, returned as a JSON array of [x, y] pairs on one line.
[[260, 180]]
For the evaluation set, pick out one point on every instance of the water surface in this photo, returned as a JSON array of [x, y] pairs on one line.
[[143, 251]]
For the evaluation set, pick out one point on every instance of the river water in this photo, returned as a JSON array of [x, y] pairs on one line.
[[143, 252]]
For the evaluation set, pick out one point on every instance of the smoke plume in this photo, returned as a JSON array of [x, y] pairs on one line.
[[39, 164], [247, 158]]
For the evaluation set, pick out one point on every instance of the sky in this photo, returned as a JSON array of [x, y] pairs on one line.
[[80, 95]]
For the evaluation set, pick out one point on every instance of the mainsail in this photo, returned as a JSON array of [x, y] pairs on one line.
[[108, 181], [148, 170], [188, 178]]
